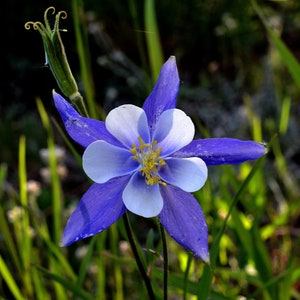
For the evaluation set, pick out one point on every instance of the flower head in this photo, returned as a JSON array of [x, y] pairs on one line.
[[145, 160]]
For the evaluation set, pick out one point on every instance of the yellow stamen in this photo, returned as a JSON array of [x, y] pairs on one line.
[[150, 161]]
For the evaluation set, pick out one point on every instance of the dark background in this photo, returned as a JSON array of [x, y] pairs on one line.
[[222, 53]]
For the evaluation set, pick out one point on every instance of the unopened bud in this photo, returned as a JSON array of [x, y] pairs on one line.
[[55, 54]]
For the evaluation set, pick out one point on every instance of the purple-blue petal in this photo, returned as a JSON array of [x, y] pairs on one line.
[[127, 123], [142, 199], [164, 94], [183, 219], [99, 208], [83, 130], [218, 151], [102, 161]]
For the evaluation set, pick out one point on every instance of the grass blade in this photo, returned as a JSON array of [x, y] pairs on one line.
[[85, 262], [285, 115], [7, 236], [152, 38], [73, 287], [84, 57], [287, 57], [25, 240], [9, 279], [55, 180]]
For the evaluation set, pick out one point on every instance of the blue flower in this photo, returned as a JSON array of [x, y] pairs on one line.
[[145, 160]]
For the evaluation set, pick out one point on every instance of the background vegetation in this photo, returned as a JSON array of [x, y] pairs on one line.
[[238, 62]]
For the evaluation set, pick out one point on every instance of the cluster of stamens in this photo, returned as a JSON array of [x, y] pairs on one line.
[[149, 158]]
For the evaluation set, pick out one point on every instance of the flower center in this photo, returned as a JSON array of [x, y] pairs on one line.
[[149, 158]]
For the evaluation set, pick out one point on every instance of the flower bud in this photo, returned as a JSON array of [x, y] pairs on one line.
[[55, 54]]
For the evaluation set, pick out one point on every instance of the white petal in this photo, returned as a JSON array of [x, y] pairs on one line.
[[142, 199], [189, 174], [173, 131], [127, 123], [102, 161]]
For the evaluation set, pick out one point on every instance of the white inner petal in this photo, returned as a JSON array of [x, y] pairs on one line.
[[142, 199], [127, 123], [102, 161], [174, 130], [189, 174]]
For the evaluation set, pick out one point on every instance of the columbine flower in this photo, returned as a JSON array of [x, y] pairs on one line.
[[144, 160]]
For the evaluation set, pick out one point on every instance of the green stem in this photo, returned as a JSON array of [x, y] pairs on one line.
[[166, 259], [136, 254], [186, 276], [83, 55], [77, 100]]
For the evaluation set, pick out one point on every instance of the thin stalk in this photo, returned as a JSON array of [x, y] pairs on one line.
[[24, 241], [140, 41], [154, 47], [186, 276], [117, 268], [166, 259], [100, 263], [9, 243], [57, 196], [137, 257], [8, 277], [84, 57], [78, 101]]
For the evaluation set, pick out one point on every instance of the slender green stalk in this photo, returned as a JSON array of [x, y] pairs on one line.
[[52, 248], [9, 279], [55, 180], [139, 40], [137, 257], [78, 101], [100, 263], [117, 268], [9, 242], [40, 288], [186, 276], [83, 268], [25, 241], [59, 289], [154, 47], [166, 259], [84, 58], [285, 115]]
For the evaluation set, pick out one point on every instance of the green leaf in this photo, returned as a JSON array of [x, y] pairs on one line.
[[9, 279]]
